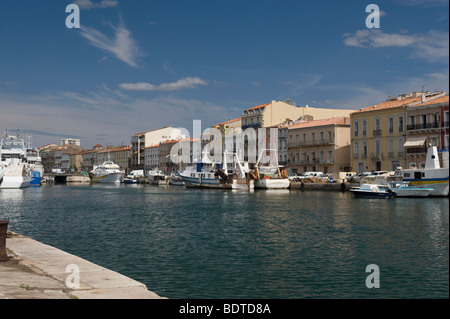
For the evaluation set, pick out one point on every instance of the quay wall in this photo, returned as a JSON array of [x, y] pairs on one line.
[[339, 186]]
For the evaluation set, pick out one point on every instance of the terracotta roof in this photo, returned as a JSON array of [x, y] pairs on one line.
[[257, 107], [230, 121], [332, 121], [438, 100], [390, 104]]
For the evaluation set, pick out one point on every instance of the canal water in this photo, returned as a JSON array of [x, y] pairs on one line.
[[190, 243]]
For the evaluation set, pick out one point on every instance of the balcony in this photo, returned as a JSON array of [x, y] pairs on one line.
[[377, 133], [420, 150], [253, 125], [411, 127], [311, 143]]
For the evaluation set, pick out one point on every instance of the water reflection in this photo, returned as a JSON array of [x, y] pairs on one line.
[[223, 244]]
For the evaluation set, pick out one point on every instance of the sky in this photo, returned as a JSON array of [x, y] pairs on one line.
[[135, 65]]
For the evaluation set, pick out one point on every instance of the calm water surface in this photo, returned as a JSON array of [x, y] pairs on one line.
[[189, 243]]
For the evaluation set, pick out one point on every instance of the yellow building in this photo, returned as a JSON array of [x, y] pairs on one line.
[[378, 134]]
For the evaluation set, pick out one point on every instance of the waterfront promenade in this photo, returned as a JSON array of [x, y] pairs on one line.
[[38, 271]]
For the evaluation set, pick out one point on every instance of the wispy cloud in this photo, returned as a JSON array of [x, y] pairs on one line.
[[121, 45], [433, 46], [88, 4], [186, 83]]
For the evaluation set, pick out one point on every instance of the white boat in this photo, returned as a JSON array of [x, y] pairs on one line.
[[176, 180], [372, 190], [404, 189], [108, 172], [15, 171], [272, 176], [16, 176], [432, 176], [207, 174], [157, 177], [134, 177]]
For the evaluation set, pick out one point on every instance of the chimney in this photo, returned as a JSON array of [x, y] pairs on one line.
[[422, 97]]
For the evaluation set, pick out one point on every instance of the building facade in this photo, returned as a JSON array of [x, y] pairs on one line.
[[319, 146], [140, 141], [427, 124]]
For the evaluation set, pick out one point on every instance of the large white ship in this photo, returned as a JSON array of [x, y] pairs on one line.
[[108, 172], [15, 172]]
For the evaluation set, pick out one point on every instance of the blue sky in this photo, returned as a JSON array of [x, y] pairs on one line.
[[139, 65]]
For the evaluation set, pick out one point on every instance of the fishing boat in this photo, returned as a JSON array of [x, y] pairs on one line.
[[157, 177], [108, 172], [134, 177], [271, 176], [15, 171], [431, 176], [404, 189], [372, 190], [208, 174]]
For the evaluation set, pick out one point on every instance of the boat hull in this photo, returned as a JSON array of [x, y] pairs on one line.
[[14, 182], [438, 179], [416, 192], [359, 193], [108, 178], [272, 183]]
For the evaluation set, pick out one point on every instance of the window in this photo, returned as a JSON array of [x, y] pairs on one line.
[[401, 151], [364, 127], [355, 128], [364, 149], [377, 124], [391, 125], [391, 148], [356, 150], [400, 124], [377, 148]]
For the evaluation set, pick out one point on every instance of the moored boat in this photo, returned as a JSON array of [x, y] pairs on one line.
[[157, 177], [404, 189], [372, 190], [108, 172], [431, 176], [207, 174], [271, 176], [15, 171]]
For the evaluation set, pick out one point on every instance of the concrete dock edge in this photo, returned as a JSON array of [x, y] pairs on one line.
[[39, 271]]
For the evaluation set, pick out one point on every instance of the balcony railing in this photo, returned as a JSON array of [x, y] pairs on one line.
[[422, 126], [416, 150], [376, 132], [311, 143]]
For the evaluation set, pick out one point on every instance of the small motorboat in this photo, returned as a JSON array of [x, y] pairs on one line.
[[372, 190]]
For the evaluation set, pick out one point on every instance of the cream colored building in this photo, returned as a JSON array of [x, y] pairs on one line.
[[319, 146], [277, 112], [140, 141]]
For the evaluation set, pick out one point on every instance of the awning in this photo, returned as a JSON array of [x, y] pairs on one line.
[[415, 141]]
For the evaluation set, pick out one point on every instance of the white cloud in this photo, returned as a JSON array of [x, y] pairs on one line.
[[186, 83], [432, 46], [88, 4], [121, 45]]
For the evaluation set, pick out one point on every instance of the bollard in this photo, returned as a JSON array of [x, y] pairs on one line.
[[3, 229]]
